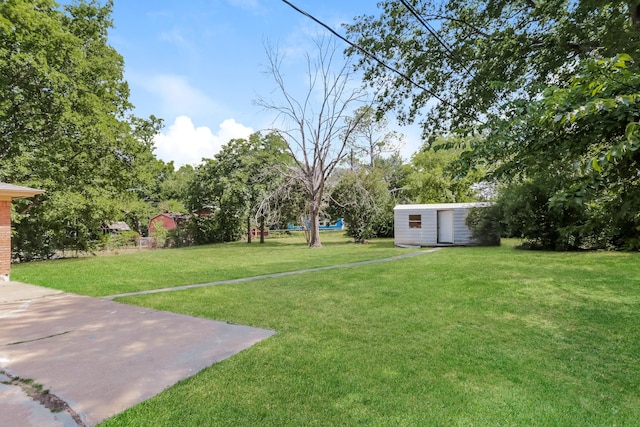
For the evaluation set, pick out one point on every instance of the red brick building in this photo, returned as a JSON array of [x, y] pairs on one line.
[[9, 192]]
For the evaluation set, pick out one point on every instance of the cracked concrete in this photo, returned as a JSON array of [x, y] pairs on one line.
[[100, 357]]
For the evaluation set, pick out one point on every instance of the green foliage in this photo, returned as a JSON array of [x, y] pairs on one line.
[[205, 229], [160, 234], [362, 199], [179, 237], [496, 51], [531, 79], [175, 184], [528, 214], [430, 177], [120, 240], [234, 185], [64, 125], [484, 224], [137, 214], [393, 173], [576, 153], [171, 205]]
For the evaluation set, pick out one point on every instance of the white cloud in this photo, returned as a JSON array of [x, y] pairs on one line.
[[177, 97], [186, 144]]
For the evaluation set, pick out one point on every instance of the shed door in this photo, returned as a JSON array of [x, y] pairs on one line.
[[445, 226]]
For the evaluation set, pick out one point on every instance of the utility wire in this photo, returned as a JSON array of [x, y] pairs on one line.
[[379, 61], [435, 35]]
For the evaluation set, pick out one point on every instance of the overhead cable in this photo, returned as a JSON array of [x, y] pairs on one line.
[[379, 61], [432, 31]]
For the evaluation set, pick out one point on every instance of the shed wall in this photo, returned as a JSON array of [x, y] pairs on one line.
[[427, 235], [461, 233]]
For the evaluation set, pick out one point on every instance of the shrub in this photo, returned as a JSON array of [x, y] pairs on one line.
[[159, 234], [484, 224]]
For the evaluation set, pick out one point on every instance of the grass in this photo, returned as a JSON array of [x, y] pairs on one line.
[[463, 336], [111, 275]]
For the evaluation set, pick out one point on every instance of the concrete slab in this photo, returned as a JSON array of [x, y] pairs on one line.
[[102, 357], [18, 409], [16, 291]]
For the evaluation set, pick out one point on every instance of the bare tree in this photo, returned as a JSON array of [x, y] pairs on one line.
[[371, 136], [316, 126]]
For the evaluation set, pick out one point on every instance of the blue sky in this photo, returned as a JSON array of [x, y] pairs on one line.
[[198, 64]]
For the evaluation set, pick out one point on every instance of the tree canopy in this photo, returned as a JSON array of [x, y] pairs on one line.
[[582, 141], [463, 60], [233, 185], [548, 89], [65, 123], [430, 177]]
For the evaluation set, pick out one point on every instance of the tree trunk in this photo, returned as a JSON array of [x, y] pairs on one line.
[[314, 225], [248, 229], [261, 229]]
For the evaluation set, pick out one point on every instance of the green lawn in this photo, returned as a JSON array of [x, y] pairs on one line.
[[462, 336], [116, 274]]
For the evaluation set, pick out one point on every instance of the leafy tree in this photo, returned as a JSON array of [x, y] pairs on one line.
[[558, 121], [63, 124], [586, 137], [430, 177], [465, 59], [234, 184], [160, 234], [137, 213], [174, 184], [362, 199], [316, 127], [394, 173], [527, 214], [485, 225]]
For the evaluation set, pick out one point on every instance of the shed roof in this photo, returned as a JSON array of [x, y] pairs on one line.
[[16, 191], [118, 226], [174, 216], [442, 206]]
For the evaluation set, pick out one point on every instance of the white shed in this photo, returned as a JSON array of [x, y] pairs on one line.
[[440, 224]]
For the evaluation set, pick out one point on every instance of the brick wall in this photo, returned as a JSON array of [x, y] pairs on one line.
[[5, 238]]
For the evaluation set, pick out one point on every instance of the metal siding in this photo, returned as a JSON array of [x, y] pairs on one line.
[[430, 224], [425, 236], [461, 233], [428, 234], [403, 235]]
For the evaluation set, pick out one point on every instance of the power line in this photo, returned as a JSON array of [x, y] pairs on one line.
[[379, 61], [435, 35]]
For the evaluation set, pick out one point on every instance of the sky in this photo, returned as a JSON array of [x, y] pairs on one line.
[[199, 65]]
